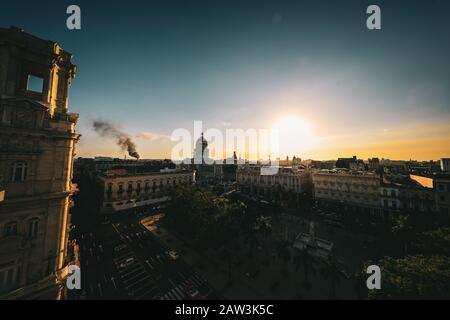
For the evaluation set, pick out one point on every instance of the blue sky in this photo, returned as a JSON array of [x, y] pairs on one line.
[[154, 66]]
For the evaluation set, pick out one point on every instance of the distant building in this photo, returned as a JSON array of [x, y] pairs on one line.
[[208, 170], [442, 192], [353, 191], [440, 184], [373, 163], [290, 162], [316, 164], [445, 164], [37, 145], [120, 190], [293, 180], [405, 195], [380, 196], [345, 163], [93, 166]]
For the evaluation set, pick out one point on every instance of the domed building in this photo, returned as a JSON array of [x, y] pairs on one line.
[[207, 170], [201, 151]]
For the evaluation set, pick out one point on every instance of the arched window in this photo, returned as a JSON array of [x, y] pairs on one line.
[[33, 228], [11, 228], [18, 171]]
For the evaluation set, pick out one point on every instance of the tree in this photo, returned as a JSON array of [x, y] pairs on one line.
[[306, 260], [403, 231], [263, 226], [413, 277], [283, 251], [333, 273], [434, 242]]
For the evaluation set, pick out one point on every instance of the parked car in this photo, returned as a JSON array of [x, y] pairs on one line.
[[172, 254], [192, 293], [127, 262], [120, 247]]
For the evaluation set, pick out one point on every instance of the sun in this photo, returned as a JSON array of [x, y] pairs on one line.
[[295, 136]]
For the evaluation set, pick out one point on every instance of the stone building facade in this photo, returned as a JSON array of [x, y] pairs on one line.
[[37, 140], [440, 184], [377, 195], [352, 191], [120, 190], [286, 181]]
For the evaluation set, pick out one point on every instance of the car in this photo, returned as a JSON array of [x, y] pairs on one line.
[[172, 254], [120, 247], [192, 293], [127, 262]]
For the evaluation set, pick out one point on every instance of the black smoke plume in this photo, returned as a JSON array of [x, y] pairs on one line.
[[106, 129]]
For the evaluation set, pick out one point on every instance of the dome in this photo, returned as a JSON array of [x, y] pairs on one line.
[[201, 142]]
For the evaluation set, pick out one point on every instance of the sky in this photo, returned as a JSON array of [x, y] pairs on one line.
[[151, 67]]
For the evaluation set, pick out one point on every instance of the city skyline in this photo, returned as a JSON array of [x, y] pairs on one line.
[[200, 150], [382, 93]]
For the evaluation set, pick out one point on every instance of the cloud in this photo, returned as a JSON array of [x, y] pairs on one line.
[[151, 136]]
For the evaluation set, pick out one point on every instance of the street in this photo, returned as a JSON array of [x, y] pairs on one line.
[[120, 259]]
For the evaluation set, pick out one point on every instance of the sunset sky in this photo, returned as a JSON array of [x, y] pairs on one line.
[[153, 67]]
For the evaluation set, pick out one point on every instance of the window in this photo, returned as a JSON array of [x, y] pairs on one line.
[[138, 188], [11, 228], [35, 83], [33, 227], [18, 171], [9, 276]]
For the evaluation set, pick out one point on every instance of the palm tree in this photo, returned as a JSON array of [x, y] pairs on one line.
[[306, 260], [264, 227], [228, 253], [403, 231], [283, 251], [251, 239], [332, 272]]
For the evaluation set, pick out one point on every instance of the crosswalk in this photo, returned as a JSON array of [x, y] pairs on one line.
[[177, 293], [135, 279], [153, 275]]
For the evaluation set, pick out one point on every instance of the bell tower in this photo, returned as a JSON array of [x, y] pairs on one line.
[[37, 145]]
